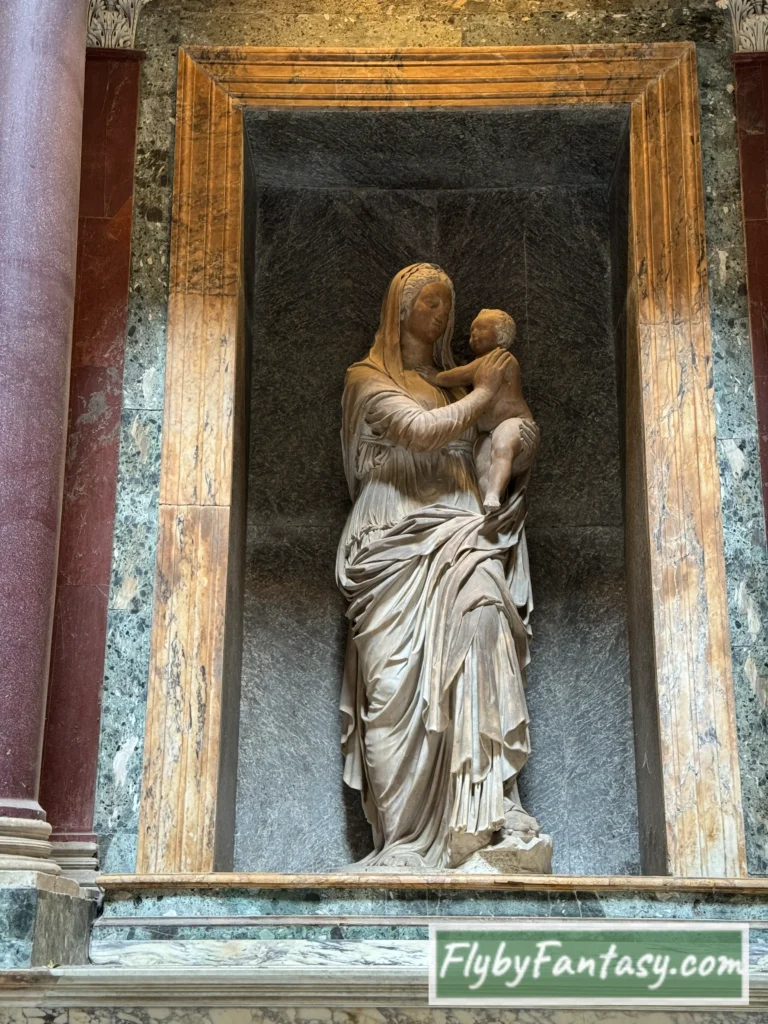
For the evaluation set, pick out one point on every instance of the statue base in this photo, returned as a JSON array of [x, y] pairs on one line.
[[512, 855]]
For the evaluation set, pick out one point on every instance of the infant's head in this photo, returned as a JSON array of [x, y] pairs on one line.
[[491, 328]]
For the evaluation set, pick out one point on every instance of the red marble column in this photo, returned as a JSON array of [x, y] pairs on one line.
[[68, 783], [42, 56], [752, 117]]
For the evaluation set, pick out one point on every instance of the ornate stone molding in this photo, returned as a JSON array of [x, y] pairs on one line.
[[749, 19], [25, 846], [112, 23]]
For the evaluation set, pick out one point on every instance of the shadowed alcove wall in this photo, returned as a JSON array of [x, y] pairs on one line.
[[515, 206]]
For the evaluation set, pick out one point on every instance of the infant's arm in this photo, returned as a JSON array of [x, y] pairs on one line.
[[459, 376]]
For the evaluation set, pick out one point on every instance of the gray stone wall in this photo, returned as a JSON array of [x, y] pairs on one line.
[[168, 24], [513, 205]]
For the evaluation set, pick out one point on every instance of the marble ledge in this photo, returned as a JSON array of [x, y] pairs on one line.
[[268, 913], [352, 982], [126, 885], [342, 984], [265, 955]]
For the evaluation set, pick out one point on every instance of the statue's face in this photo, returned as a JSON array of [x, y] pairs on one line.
[[483, 336], [429, 314]]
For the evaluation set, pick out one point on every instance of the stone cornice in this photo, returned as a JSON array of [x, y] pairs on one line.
[[749, 20], [112, 23], [201, 985]]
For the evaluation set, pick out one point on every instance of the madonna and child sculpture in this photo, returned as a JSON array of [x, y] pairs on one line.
[[434, 565]]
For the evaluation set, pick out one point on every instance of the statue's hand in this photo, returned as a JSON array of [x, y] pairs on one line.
[[529, 437], [490, 371]]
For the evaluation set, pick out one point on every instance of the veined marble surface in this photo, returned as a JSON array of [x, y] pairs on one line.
[[271, 904], [412, 954], [374, 1015], [251, 953], [352, 994], [43, 918]]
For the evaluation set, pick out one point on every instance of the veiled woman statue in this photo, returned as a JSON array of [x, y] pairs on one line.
[[435, 724]]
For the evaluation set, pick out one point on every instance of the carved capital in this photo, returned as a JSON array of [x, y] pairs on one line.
[[749, 20], [112, 23]]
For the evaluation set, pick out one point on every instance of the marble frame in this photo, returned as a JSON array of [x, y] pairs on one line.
[[686, 747]]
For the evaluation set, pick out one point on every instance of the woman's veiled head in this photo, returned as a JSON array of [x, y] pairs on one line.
[[426, 301], [401, 302], [427, 316], [426, 306]]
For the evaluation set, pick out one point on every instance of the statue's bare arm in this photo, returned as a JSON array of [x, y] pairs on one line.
[[402, 420], [459, 376]]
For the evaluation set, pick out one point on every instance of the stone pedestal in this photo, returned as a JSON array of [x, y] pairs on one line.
[[44, 917], [512, 856]]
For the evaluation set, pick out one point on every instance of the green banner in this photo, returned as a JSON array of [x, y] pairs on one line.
[[589, 964]]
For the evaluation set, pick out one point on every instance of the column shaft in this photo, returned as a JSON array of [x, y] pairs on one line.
[[71, 746], [42, 57]]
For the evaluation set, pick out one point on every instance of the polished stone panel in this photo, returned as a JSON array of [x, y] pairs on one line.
[[43, 926], [323, 903], [70, 752], [90, 479], [324, 257], [740, 459], [127, 643]]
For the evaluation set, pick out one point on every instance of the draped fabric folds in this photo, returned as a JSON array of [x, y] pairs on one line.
[[435, 724]]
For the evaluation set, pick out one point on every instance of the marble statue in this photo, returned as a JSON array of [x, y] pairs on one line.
[[435, 723]]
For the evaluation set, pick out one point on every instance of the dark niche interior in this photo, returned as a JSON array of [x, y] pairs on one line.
[[523, 208]]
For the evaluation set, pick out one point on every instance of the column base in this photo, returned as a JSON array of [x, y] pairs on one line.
[[77, 860], [44, 917], [24, 846]]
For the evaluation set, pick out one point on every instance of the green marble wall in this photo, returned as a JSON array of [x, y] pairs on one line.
[[274, 906], [39, 927]]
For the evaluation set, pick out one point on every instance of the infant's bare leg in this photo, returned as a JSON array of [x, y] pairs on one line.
[[482, 455], [505, 447]]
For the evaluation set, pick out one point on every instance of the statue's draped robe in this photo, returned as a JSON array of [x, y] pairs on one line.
[[435, 721]]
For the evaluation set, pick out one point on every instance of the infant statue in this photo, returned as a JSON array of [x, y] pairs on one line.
[[508, 423]]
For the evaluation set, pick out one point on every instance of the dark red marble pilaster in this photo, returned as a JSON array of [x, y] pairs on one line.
[[70, 753], [42, 56], [752, 119]]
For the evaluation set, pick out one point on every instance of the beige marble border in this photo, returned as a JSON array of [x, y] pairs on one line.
[[650, 884], [680, 611]]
